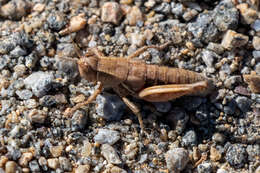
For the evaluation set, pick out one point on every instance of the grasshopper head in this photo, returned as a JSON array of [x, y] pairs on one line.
[[88, 68]]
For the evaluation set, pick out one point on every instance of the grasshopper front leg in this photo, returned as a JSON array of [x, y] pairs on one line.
[[162, 93], [89, 100]]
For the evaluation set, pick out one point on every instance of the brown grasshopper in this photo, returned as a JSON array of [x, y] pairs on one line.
[[128, 76]]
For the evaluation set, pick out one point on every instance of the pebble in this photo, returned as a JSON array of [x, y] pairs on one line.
[[215, 155], [116, 169], [11, 167], [218, 138], [15, 9], [106, 136], [86, 149], [76, 23], [215, 47], [43, 163], [25, 159], [47, 101], [189, 139], [37, 116], [83, 169], [131, 150], [205, 168], [176, 159], [221, 170], [56, 21], [233, 39], [256, 25], [40, 83], [53, 163], [110, 154], [68, 67], [34, 166], [56, 151], [111, 12], [187, 16], [110, 107], [134, 16], [209, 57], [65, 164], [79, 120], [243, 103], [177, 8], [203, 28], [17, 52], [226, 16], [163, 7], [24, 94], [236, 155], [256, 42], [231, 81], [253, 81], [253, 152], [248, 15]]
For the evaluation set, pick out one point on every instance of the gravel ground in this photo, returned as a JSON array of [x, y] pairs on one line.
[[39, 81]]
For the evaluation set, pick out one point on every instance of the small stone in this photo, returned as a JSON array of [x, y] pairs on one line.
[[163, 7], [253, 81], [11, 167], [209, 57], [15, 9], [149, 3], [56, 151], [131, 150], [56, 21], [65, 164], [37, 116], [116, 169], [66, 50], [53, 163], [242, 91], [257, 169], [253, 152], [86, 149], [106, 136], [38, 7], [189, 139], [248, 15], [217, 48], [76, 23], [34, 166], [243, 103], [110, 107], [177, 8], [177, 159], [221, 170], [218, 138], [110, 154], [83, 169], [137, 39], [226, 16], [111, 12], [17, 52], [203, 28], [205, 168], [25, 159], [134, 15], [79, 120], [232, 81], [48, 101], [256, 25], [190, 14], [24, 94], [39, 82], [31, 103], [256, 42], [68, 67], [215, 155], [43, 163], [233, 39], [236, 155]]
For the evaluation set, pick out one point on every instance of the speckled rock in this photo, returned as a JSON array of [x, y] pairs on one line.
[[56, 21], [53, 163], [15, 9], [25, 159], [253, 152], [134, 15], [83, 169], [243, 103], [176, 159], [11, 167], [24, 94], [37, 116], [233, 39], [178, 119], [248, 15], [34, 166], [253, 81], [189, 139], [79, 120], [205, 168], [106, 136], [111, 12], [68, 67], [110, 107], [110, 154], [226, 16], [236, 155], [39, 82], [56, 151], [65, 164]]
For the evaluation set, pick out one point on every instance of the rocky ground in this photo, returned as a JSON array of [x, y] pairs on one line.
[[39, 81]]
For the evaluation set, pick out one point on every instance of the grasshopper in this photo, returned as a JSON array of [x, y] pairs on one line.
[[131, 77]]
